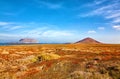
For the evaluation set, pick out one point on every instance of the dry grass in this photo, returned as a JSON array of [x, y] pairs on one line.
[[60, 61]]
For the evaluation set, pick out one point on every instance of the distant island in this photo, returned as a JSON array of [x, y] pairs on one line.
[[28, 40]]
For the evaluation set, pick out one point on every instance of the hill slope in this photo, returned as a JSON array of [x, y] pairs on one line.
[[89, 41]]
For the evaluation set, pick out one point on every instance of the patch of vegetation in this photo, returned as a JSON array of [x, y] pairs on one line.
[[114, 72], [47, 56]]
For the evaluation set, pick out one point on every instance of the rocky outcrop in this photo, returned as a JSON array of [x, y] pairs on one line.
[[28, 40]]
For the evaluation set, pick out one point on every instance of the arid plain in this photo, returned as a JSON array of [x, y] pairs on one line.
[[60, 61]]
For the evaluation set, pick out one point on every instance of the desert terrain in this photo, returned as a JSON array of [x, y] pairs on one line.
[[60, 61]]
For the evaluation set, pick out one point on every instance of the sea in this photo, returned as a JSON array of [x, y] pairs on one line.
[[7, 44]]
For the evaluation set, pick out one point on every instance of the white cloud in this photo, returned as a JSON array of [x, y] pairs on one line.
[[113, 14], [110, 12], [41, 31], [9, 35], [16, 13], [15, 27], [117, 27], [104, 10], [52, 6], [116, 20], [91, 32], [95, 3], [10, 26], [47, 32], [49, 4], [45, 35], [56, 33], [99, 2], [36, 31], [101, 28], [4, 23]]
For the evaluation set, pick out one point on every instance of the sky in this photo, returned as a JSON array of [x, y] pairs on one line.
[[60, 21]]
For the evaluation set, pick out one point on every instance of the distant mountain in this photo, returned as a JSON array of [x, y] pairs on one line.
[[28, 40], [88, 41]]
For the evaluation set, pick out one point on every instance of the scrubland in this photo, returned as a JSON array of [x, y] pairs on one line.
[[60, 61]]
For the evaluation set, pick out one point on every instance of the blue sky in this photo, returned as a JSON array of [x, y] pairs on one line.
[[60, 20]]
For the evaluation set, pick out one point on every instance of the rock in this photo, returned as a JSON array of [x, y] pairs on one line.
[[28, 40]]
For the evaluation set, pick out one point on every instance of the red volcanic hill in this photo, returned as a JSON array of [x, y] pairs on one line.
[[28, 40], [88, 41]]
